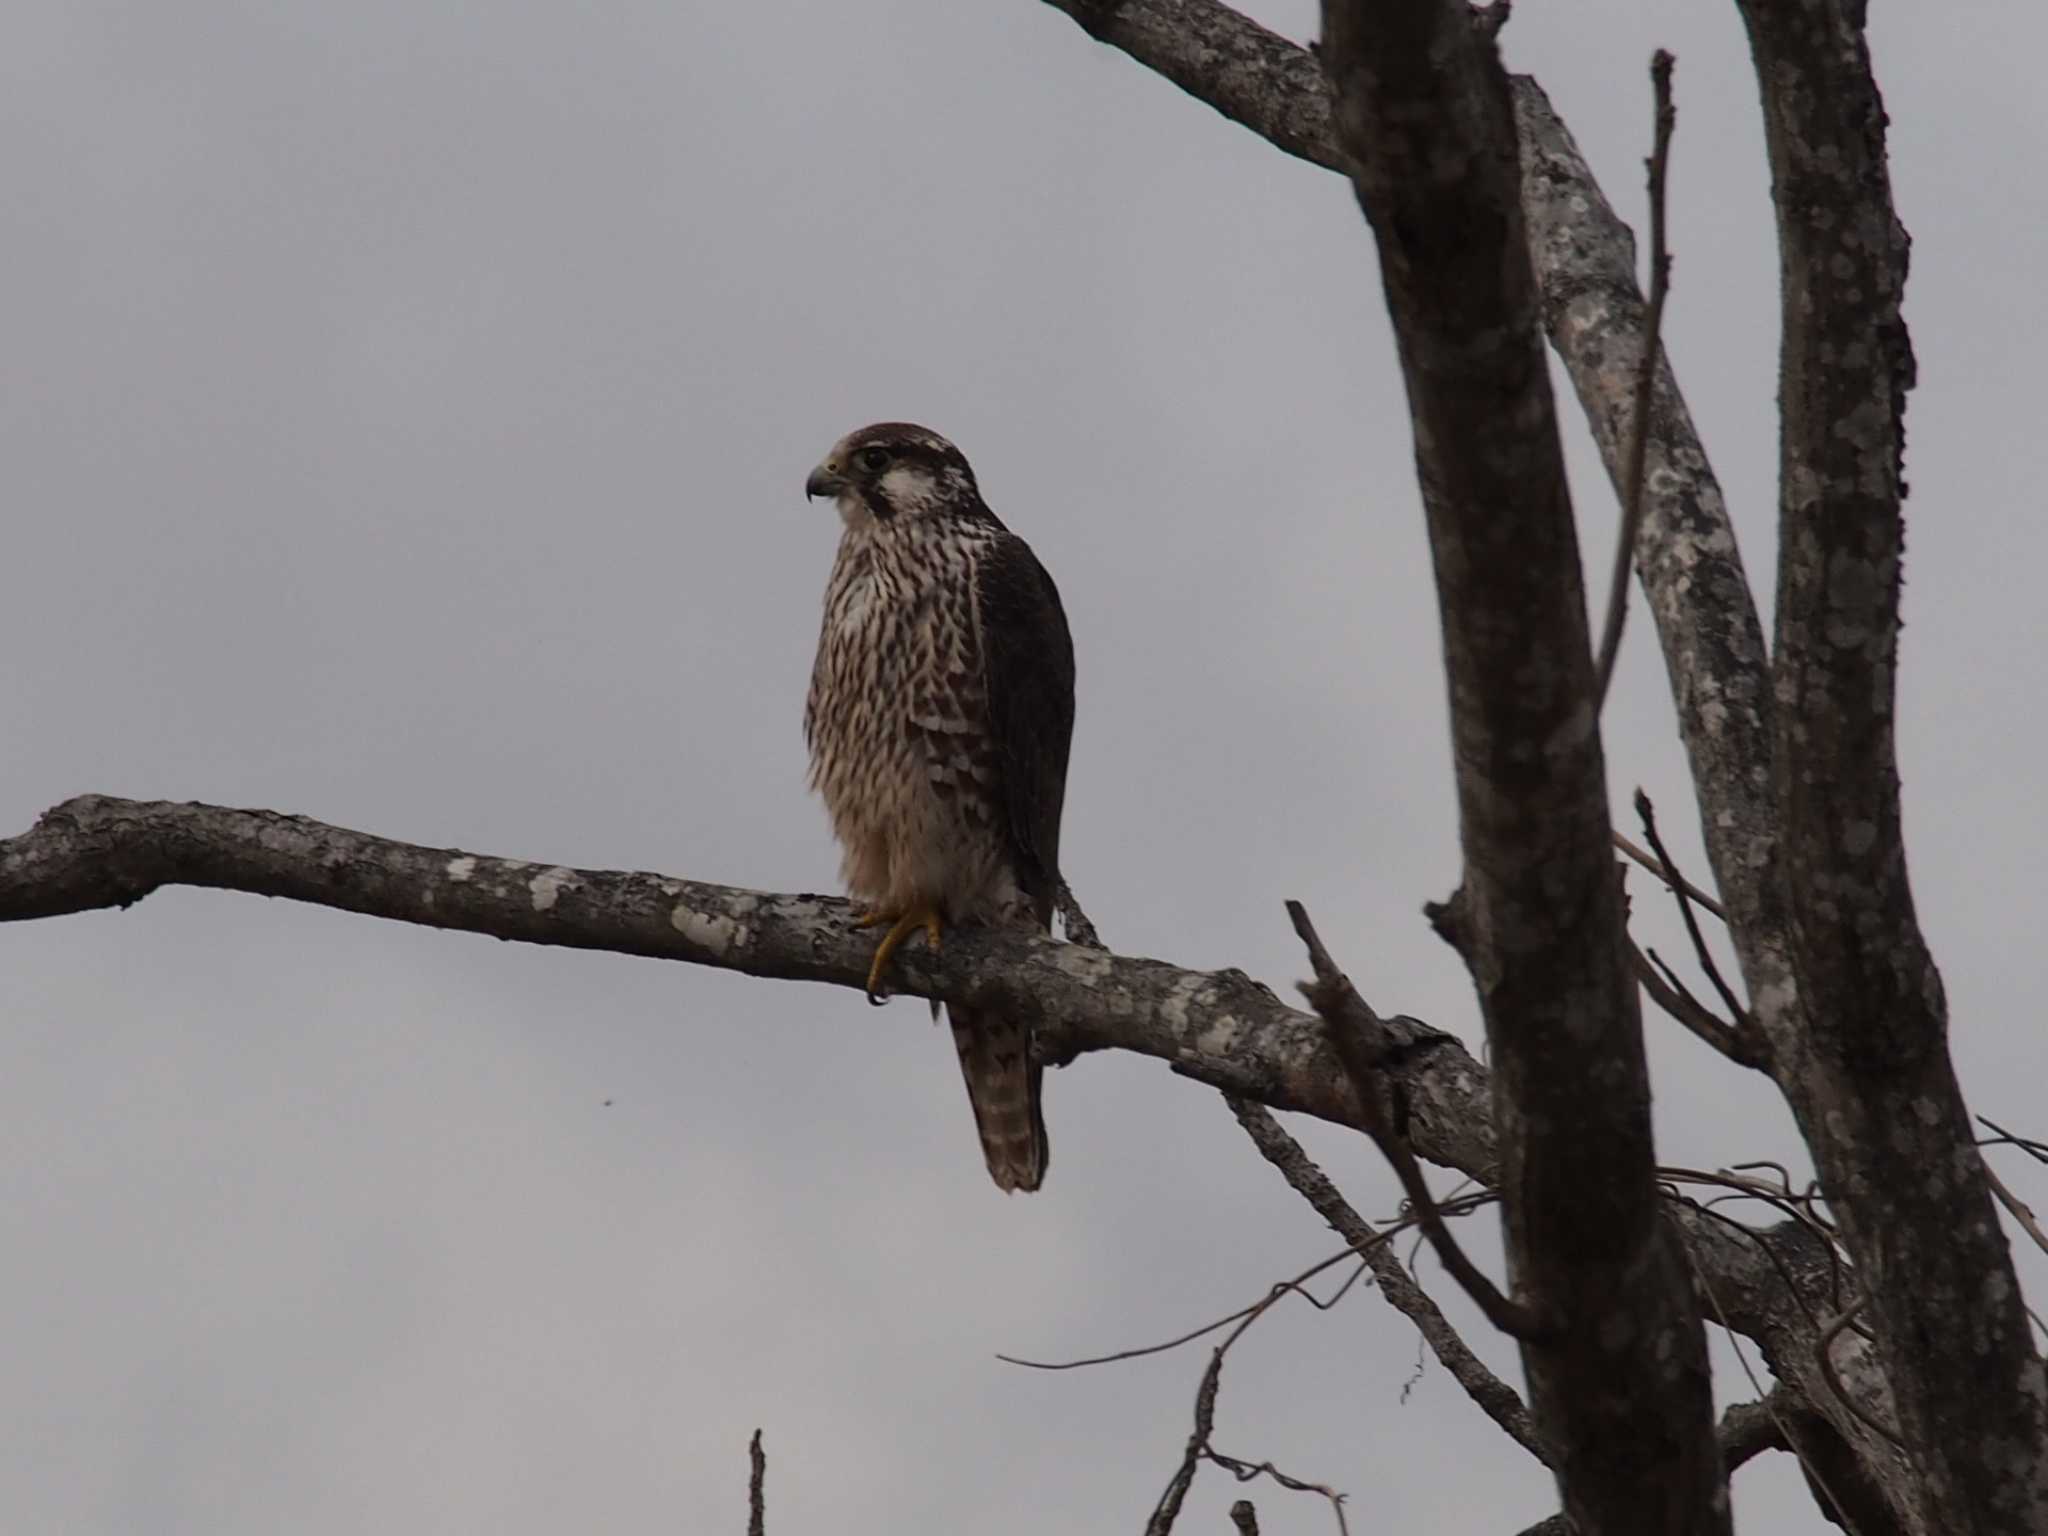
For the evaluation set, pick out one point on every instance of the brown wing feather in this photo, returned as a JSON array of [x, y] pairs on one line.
[[1028, 677], [1028, 666]]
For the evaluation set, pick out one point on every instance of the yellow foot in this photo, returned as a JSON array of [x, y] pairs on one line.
[[923, 915]]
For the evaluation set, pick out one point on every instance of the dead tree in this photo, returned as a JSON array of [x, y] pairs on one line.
[[1886, 1302]]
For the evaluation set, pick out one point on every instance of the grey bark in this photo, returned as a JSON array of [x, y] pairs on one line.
[[1618, 1380], [1228, 61], [1863, 1060], [1219, 1028], [1809, 864]]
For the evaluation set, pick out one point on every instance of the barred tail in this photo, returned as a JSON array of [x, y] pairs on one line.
[[1002, 1088]]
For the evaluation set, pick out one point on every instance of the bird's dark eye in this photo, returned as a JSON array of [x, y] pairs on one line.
[[873, 460]]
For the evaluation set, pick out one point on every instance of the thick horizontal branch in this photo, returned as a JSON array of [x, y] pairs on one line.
[[1218, 1027]]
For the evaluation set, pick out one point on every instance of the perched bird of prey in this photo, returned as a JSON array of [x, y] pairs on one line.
[[940, 712]]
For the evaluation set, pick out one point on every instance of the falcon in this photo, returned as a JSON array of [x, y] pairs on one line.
[[940, 712]]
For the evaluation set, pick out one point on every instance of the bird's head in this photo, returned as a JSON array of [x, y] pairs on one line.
[[892, 472]]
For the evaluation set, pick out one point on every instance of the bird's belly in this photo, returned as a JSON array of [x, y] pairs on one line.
[[914, 822]]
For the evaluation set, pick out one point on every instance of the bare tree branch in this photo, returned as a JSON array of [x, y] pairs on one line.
[[1248, 74], [1680, 888], [2017, 1208], [1199, 1449], [2001, 1137], [1593, 313], [1782, 1304], [1619, 1386], [1218, 1028], [1747, 1430], [757, 1502], [1658, 868], [1864, 1060], [1665, 119], [1363, 1045], [1686, 554], [1298, 1286], [1693, 1014], [1496, 1399]]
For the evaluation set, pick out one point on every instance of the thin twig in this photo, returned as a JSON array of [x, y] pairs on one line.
[[1496, 1399], [1673, 980], [2018, 1207], [1642, 856], [1167, 1510], [1079, 930], [1784, 1174], [1648, 813], [1297, 1286], [2037, 1150], [1691, 1012], [1799, 1208], [1646, 382], [757, 1503], [1245, 1471], [1199, 1449], [1461, 1205], [1358, 1035]]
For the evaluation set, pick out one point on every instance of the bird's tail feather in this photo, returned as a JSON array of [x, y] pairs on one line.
[[1002, 1088]]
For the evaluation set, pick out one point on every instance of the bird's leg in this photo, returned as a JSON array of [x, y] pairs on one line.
[[919, 915]]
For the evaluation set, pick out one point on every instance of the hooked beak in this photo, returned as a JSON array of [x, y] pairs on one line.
[[824, 481]]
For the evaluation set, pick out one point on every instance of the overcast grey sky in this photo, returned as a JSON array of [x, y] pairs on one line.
[[405, 412]]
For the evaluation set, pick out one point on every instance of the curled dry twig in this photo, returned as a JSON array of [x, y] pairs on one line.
[[1298, 1286], [1200, 1450], [1461, 1205]]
